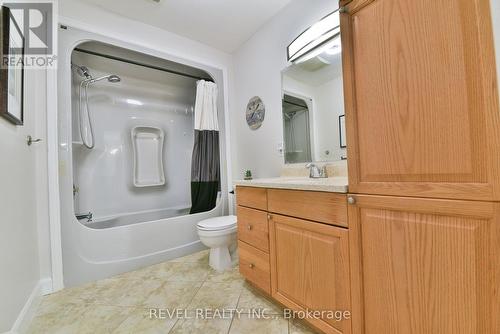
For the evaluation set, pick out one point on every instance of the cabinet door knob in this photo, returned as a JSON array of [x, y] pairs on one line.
[[351, 200], [251, 265], [269, 216], [249, 227]]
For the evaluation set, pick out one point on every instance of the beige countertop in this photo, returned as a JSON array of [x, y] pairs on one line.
[[337, 184]]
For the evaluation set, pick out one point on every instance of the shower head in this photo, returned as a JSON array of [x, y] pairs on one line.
[[82, 71], [113, 78]]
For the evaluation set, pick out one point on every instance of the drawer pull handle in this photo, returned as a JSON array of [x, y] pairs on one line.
[[251, 265], [249, 227]]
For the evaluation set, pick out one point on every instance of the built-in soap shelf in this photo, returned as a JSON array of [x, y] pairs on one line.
[[147, 143]]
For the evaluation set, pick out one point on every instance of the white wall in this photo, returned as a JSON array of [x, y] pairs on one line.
[[257, 71], [24, 222], [329, 101], [19, 254]]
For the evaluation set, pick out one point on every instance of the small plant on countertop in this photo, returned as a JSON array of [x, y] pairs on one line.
[[248, 174]]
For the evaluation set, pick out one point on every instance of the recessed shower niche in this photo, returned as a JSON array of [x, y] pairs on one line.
[[147, 143]]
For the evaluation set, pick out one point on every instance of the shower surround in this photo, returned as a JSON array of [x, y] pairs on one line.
[[133, 224], [104, 176]]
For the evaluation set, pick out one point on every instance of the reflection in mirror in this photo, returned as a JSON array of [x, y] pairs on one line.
[[313, 102], [296, 129]]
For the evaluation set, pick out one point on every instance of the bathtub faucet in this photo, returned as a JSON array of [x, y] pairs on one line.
[[87, 216]]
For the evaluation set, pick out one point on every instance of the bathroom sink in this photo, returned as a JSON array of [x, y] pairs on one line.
[[330, 184]]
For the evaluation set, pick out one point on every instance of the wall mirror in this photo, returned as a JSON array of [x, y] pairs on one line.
[[312, 96]]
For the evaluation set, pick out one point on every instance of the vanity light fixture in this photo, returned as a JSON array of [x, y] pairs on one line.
[[321, 36], [336, 48], [331, 48]]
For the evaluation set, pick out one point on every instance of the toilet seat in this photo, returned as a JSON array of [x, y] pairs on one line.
[[217, 233], [217, 223]]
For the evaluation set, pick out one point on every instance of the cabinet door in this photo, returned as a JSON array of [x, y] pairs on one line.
[[424, 266], [421, 98], [310, 268]]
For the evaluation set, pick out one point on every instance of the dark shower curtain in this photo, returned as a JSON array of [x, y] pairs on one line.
[[205, 165]]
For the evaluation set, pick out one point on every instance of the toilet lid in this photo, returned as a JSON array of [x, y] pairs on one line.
[[217, 223]]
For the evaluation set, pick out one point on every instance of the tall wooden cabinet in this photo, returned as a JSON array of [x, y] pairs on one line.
[[421, 98], [423, 127], [424, 265]]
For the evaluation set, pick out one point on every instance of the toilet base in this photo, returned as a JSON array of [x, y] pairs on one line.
[[220, 259]]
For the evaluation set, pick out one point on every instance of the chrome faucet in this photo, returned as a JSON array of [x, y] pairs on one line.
[[315, 172], [87, 216]]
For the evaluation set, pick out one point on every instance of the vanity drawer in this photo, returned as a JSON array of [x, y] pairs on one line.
[[324, 207], [252, 197], [255, 266], [253, 228]]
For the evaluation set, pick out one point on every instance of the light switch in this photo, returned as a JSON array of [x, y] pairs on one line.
[[280, 148]]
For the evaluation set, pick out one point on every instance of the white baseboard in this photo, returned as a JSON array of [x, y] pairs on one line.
[[29, 309], [46, 286]]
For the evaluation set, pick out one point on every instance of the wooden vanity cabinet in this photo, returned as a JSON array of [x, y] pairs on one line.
[[296, 250], [424, 265], [421, 98], [310, 269]]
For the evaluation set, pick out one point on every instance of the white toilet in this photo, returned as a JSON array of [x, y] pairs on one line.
[[219, 234]]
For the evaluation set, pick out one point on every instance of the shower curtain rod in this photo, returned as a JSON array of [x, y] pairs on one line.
[[143, 65], [295, 104]]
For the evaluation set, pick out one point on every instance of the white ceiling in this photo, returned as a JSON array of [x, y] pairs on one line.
[[222, 24]]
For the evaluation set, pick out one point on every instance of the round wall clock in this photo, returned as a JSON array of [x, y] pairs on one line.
[[256, 111]]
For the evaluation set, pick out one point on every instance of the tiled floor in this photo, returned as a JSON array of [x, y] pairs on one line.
[[124, 303]]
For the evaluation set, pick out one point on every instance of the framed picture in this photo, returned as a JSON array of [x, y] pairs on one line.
[[343, 141], [12, 68]]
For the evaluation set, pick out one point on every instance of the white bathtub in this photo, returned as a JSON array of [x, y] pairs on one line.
[[99, 250], [135, 217]]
